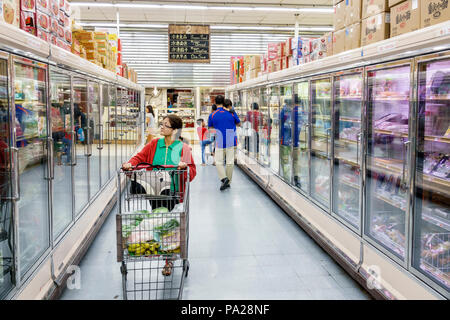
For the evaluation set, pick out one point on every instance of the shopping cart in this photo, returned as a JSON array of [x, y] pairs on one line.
[[153, 231]]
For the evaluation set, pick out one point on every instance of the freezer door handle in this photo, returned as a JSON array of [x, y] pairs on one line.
[[100, 144], [50, 149], [328, 135], [358, 142], [16, 177], [405, 160]]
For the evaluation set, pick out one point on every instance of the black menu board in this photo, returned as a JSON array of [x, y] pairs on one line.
[[189, 43]]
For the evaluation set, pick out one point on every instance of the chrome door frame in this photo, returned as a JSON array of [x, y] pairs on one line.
[[329, 156], [384, 66], [435, 57], [344, 73]]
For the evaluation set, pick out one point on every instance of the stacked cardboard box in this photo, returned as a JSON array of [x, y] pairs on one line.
[[252, 66], [433, 12], [405, 16], [236, 69], [375, 25]]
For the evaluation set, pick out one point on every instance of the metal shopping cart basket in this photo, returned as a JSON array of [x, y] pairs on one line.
[[153, 231]]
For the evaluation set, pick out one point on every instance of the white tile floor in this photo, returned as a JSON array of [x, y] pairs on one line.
[[242, 246]]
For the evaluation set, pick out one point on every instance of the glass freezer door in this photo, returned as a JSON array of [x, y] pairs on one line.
[[94, 138], [252, 120], [321, 140], [112, 131], [387, 149], [6, 218], [301, 136], [431, 247], [274, 120], [263, 131], [286, 132], [30, 96], [61, 125], [347, 147], [103, 144]]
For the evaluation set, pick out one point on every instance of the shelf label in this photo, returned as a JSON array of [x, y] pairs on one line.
[[444, 31], [34, 43], [387, 47]]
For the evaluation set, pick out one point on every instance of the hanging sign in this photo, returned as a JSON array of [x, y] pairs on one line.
[[189, 43]]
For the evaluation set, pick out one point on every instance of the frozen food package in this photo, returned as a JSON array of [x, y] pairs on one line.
[[43, 21], [43, 6], [43, 35], [28, 5], [68, 35], [10, 12], [28, 21], [60, 32], [54, 7], [53, 26]]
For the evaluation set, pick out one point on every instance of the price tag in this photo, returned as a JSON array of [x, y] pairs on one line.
[[444, 31], [387, 47]]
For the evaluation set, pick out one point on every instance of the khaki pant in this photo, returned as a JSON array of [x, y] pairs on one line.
[[222, 155]]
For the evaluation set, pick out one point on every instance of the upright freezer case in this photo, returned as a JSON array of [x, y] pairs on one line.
[[431, 246], [388, 111]]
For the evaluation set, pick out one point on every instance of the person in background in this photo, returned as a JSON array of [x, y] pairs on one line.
[[150, 123], [224, 121], [285, 139], [203, 138]]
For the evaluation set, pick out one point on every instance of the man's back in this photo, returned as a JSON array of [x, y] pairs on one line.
[[225, 124]]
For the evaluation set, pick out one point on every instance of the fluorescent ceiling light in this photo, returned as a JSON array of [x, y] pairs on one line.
[[196, 7]]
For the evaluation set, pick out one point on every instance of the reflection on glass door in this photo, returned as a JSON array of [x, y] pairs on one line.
[[245, 126], [121, 101], [387, 150], [94, 138], [347, 147], [104, 142], [61, 126], [80, 174], [286, 132], [301, 136], [274, 119], [252, 120], [263, 131], [431, 247], [6, 218], [321, 140], [32, 140]]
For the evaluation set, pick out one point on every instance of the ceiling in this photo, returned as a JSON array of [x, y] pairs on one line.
[[269, 17]]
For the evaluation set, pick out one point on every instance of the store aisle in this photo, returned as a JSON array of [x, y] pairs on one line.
[[242, 246]]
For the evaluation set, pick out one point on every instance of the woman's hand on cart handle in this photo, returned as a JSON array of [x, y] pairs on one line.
[[127, 166], [182, 165]]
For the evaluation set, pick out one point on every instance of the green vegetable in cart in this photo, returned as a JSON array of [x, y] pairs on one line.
[[161, 210], [166, 227]]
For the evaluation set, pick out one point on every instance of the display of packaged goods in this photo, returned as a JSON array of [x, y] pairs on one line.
[[373, 7], [89, 45], [280, 49], [306, 47], [43, 6], [60, 32], [319, 44], [339, 15], [352, 12], [43, 21], [28, 21], [10, 12], [28, 5], [339, 41], [91, 55], [329, 43], [68, 35], [288, 47], [375, 28], [82, 52], [272, 51], [434, 12], [316, 55], [61, 17], [405, 17], [82, 35], [53, 39], [352, 37], [67, 8], [76, 47], [44, 35]]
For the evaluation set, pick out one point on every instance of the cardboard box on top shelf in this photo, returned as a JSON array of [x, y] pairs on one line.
[[405, 17], [352, 12], [28, 21], [280, 50], [306, 47], [339, 41], [395, 2], [375, 28], [288, 47], [352, 36], [339, 16], [82, 35], [255, 62], [43, 6], [373, 7], [336, 1], [91, 55], [272, 51], [434, 12]]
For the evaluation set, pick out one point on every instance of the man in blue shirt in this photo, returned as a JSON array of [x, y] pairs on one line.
[[224, 121]]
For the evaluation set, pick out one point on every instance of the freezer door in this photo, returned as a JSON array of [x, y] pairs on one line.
[[113, 132], [104, 142], [286, 132], [301, 150], [61, 130], [387, 173], [33, 142], [431, 246], [274, 128], [347, 147], [7, 154], [321, 140], [263, 130]]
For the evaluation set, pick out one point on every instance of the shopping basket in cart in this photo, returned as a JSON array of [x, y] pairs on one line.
[[153, 231]]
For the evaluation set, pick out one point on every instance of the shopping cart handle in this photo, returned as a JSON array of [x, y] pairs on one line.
[[146, 165]]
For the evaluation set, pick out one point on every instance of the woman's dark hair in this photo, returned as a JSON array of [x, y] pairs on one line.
[[150, 110], [255, 106], [227, 103], [175, 121], [220, 100], [214, 107]]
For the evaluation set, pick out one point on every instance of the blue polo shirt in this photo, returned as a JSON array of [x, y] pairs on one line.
[[225, 124]]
